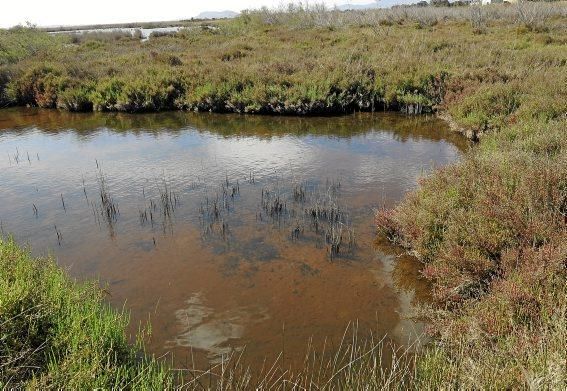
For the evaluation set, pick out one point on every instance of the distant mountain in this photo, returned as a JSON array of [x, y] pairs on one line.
[[374, 5], [217, 15]]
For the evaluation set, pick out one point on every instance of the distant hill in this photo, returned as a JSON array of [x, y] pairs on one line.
[[217, 15]]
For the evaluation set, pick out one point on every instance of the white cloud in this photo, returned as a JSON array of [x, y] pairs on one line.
[[76, 12]]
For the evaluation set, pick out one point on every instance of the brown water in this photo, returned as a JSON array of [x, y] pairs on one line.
[[195, 240]]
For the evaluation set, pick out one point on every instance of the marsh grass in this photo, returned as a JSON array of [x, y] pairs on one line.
[[309, 15], [78, 38], [56, 333], [308, 60], [214, 211], [107, 208], [161, 211], [491, 233], [310, 211]]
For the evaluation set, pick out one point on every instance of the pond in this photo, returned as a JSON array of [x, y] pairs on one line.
[[224, 232]]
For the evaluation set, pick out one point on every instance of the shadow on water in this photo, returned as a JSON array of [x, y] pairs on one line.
[[224, 230]]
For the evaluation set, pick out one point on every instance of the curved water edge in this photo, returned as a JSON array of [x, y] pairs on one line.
[[218, 228]]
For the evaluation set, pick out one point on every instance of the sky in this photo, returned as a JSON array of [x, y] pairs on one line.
[[77, 12]]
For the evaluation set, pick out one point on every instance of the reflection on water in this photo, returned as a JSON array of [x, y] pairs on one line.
[[203, 328], [144, 33], [224, 231]]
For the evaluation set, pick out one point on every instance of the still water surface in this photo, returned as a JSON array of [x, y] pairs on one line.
[[145, 33], [216, 228]]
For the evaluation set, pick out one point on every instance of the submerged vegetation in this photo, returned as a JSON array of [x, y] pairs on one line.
[[491, 230]]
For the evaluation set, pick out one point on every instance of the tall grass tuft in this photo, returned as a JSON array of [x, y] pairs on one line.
[[56, 333]]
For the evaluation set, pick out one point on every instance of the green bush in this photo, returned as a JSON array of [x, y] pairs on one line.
[[488, 108], [20, 42], [4, 80], [37, 86], [76, 98], [465, 217], [107, 94]]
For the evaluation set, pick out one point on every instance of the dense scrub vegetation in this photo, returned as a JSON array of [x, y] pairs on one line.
[[486, 66], [492, 233], [491, 230]]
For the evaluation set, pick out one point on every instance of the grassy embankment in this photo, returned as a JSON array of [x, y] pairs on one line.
[[57, 334], [490, 230]]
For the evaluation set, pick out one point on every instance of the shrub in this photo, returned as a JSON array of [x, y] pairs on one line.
[[488, 108], [20, 42], [76, 98], [152, 93], [212, 96], [38, 86], [464, 218], [107, 94], [4, 80]]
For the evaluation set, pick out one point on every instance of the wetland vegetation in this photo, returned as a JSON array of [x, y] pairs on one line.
[[484, 66], [490, 230]]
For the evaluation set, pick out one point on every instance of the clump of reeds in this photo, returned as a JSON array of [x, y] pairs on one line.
[[251, 178], [219, 228], [333, 185], [326, 216], [339, 238], [358, 362], [301, 206], [168, 199], [214, 211], [160, 211], [274, 204], [299, 192], [59, 235], [297, 229], [63, 203], [85, 188], [16, 156], [107, 208]]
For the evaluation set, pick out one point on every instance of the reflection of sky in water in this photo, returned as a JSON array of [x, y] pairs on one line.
[[203, 328], [373, 166], [375, 158]]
